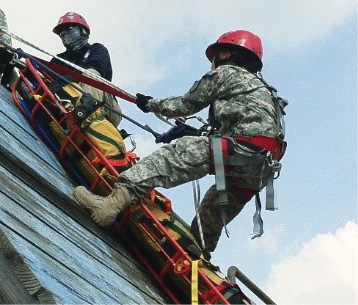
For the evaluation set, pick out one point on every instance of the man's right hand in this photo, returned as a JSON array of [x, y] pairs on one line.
[[142, 102]]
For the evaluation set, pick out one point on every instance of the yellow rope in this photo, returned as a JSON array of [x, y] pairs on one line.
[[194, 282]]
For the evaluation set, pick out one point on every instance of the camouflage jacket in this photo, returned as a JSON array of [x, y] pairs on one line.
[[240, 102]]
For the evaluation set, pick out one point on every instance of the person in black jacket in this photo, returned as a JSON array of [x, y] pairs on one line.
[[74, 32]]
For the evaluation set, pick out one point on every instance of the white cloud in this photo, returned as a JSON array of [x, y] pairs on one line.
[[268, 242], [325, 271], [136, 31]]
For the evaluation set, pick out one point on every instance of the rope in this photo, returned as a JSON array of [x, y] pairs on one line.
[[194, 282], [84, 71], [196, 192]]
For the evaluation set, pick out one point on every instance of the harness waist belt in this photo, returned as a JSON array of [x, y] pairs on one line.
[[243, 160], [271, 144]]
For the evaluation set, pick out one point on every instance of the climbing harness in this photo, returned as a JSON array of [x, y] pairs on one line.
[[268, 152]]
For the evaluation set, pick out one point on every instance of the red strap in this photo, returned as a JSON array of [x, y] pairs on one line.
[[79, 77], [211, 294], [113, 162], [132, 156], [271, 144]]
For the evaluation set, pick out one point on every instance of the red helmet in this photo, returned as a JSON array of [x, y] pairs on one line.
[[71, 18], [239, 39]]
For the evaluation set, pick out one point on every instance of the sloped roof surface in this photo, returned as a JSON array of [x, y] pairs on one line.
[[72, 257]]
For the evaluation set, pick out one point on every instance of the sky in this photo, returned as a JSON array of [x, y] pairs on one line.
[[309, 251]]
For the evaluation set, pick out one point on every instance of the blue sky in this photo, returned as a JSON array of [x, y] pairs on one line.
[[310, 56]]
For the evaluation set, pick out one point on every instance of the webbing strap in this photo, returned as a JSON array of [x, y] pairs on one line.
[[220, 177], [244, 160], [113, 162], [258, 160], [258, 222], [270, 194], [270, 202], [194, 282]]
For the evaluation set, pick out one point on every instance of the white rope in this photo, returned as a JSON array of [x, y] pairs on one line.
[[84, 71], [196, 192]]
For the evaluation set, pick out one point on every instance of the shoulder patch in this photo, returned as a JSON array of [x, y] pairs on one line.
[[211, 72], [194, 86]]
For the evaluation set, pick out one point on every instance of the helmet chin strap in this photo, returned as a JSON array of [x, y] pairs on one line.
[[236, 59], [217, 61]]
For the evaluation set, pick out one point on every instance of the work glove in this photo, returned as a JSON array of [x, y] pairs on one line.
[[176, 132], [88, 105], [5, 55], [20, 53], [57, 85], [142, 102]]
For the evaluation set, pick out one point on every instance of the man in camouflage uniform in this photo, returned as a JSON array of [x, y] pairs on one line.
[[243, 111]]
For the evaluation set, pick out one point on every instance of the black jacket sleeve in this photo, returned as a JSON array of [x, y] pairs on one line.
[[94, 56], [99, 59]]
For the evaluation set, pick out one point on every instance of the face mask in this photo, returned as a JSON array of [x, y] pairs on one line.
[[73, 39]]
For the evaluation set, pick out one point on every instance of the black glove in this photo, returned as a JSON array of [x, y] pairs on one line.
[[56, 86], [88, 106], [176, 132], [20, 53], [142, 102], [5, 56]]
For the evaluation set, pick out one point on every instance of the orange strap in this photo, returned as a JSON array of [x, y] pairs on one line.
[[129, 157]]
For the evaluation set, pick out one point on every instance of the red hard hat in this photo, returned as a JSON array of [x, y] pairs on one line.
[[240, 38], [68, 19]]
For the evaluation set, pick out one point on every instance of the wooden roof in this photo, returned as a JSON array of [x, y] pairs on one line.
[[71, 257]]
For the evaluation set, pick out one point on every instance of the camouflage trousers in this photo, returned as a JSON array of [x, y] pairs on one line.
[[174, 164]]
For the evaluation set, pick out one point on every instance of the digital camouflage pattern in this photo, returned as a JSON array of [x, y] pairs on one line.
[[243, 106], [169, 166], [241, 103], [210, 216], [3, 25]]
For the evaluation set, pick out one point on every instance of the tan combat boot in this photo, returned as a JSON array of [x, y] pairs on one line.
[[104, 210]]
